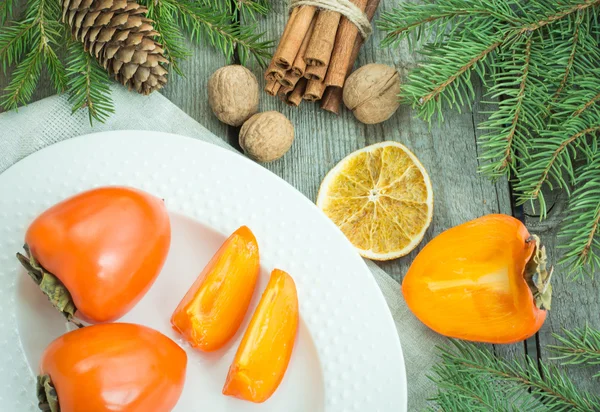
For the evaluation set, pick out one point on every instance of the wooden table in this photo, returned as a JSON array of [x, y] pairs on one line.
[[448, 151]]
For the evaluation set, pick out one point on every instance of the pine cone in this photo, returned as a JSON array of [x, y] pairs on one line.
[[119, 35]]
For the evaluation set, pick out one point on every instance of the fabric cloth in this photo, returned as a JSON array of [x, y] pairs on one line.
[[49, 121]]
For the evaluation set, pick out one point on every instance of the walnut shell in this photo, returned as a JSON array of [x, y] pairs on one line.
[[371, 92], [267, 136], [233, 94]]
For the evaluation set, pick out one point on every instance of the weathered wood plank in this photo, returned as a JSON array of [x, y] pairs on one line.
[[189, 92], [573, 302]]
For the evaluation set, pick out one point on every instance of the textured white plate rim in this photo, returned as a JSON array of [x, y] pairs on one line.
[[11, 178]]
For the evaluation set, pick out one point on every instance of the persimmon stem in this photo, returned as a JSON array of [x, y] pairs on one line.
[[46, 394], [538, 276], [52, 287]]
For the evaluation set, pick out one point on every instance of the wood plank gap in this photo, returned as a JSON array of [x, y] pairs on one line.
[[233, 132], [538, 348]]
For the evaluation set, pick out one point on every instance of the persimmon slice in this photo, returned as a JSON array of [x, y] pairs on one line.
[[213, 309], [266, 348]]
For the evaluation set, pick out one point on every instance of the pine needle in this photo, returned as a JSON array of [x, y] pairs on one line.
[[578, 347], [89, 85], [35, 37], [580, 234], [6, 10], [204, 25], [211, 22], [470, 377]]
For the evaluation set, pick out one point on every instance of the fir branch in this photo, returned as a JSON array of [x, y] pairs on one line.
[[89, 84], [580, 234], [582, 94], [587, 105], [431, 85], [470, 376], [15, 39], [249, 9], [578, 347], [577, 6], [39, 32], [6, 10], [24, 79], [246, 10], [505, 129], [572, 54], [203, 24], [435, 19], [553, 158], [172, 39], [426, 88]]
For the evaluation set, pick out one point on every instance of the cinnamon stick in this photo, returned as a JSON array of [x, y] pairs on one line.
[[295, 97], [342, 51], [290, 43], [332, 98], [315, 72], [289, 80], [318, 52], [273, 72], [299, 65], [284, 92], [314, 90], [272, 87]]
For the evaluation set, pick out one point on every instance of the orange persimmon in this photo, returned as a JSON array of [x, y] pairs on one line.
[[98, 252], [266, 348], [484, 280], [214, 307], [117, 367]]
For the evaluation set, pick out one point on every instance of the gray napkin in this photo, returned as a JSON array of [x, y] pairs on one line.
[[49, 121]]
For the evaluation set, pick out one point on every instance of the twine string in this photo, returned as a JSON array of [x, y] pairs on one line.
[[345, 7]]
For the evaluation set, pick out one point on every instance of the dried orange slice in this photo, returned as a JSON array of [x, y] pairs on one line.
[[381, 198]]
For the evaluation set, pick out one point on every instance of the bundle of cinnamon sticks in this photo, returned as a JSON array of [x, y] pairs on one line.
[[316, 53]]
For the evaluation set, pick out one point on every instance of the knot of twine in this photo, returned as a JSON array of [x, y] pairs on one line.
[[345, 7]]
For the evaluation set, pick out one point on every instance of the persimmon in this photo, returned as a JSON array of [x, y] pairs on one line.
[[97, 253], [266, 348], [117, 367], [214, 307], [484, 280]]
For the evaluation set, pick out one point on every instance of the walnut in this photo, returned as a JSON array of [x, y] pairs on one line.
[[267, 136], [233, 94], [371, 92]]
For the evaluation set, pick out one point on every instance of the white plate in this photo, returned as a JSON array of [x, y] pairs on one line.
[[347, 356]]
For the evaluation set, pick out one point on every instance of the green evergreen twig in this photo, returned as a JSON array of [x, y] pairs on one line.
[[580, 235], [202, 24], [89, 84], [578, 347], [36, 37], [6, 10], [470, 377]]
